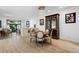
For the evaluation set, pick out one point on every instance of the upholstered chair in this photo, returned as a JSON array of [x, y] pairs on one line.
[[40, 37]]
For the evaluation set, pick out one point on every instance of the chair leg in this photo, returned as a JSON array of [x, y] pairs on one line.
[[50, 40], [36, 43], [42, 43]]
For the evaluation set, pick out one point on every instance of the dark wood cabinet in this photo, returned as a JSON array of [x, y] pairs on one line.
[[0, 24], [52, 24]]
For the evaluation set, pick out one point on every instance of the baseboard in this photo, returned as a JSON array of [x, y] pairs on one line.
[[73, 41]]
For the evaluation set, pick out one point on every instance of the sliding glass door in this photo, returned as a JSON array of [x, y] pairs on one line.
[[14, 25]]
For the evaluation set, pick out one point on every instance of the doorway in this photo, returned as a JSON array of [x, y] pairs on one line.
[[14, 25]]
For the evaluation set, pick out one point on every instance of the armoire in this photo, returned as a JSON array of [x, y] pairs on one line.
[[52, 24]]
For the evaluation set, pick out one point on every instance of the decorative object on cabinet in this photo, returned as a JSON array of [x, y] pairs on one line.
[[70, 18]]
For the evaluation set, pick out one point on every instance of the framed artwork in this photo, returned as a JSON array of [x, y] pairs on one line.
[[70, 18], [27, 23], [0, 24], [41, 21]]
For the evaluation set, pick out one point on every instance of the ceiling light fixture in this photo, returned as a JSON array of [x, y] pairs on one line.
[[41, 7], [61, 7]]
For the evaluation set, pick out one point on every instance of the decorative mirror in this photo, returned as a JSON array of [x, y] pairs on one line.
[[27, 23], [41, 21]]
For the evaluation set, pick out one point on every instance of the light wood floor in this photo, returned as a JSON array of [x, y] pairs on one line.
[[17, 44]]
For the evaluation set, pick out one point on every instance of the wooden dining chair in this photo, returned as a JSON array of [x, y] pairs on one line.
[[40, 37]]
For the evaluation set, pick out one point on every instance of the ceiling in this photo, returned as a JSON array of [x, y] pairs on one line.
[[24, 11], [18, 11]]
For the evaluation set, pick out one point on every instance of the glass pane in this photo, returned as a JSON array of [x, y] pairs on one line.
[[48, 24], [53, 24]]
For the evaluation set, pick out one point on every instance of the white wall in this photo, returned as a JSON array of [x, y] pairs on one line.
[[33, 21], [3, 22], [68, 31]]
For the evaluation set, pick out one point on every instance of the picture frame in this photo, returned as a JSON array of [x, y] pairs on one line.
[[27, 23], [70, 18], [41, 21]]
